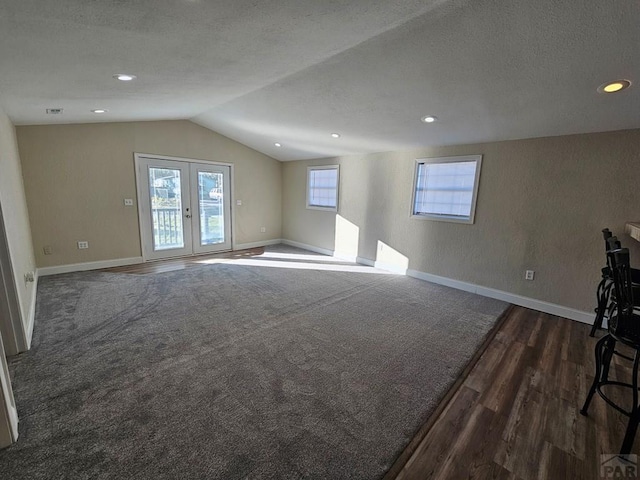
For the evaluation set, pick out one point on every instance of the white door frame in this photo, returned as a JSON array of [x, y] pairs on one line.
[[11, 327], [8, 410], [12, 336], [144, 234]]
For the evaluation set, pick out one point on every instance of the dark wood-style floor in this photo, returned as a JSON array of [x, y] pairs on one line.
[[516, 414]]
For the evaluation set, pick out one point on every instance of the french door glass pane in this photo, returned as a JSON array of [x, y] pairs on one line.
[[211, 206], [166, 208]]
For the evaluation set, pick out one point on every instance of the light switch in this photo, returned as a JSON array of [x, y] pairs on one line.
[[128, 202]]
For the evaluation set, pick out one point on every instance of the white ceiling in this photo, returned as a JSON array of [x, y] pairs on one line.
[[294, 71]]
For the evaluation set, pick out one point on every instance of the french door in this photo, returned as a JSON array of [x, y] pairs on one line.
[[184, 206]]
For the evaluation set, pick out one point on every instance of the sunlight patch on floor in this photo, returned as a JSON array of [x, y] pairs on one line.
[[256, 262], [303, 257]]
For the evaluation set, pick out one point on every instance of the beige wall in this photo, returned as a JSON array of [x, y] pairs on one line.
[[16, 219], [77, 176], [541, 206]]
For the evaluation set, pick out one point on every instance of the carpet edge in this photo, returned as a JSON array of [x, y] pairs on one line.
[[405, 455]]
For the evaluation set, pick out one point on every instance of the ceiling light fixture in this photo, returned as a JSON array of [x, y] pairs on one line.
[[335, 135], [124, 77], [278, 144], [99, 110], [429, 119], [612, 87]]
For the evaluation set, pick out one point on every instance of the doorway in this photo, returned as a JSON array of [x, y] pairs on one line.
[[184, 206]]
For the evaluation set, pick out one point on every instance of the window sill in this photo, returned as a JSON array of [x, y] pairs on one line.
[[323, 209], [444, 218]]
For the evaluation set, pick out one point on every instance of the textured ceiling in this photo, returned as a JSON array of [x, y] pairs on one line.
[[294, 71]]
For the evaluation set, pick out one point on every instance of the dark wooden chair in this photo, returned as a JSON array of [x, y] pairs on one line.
[[603, 292], [623, 328], [605, 287]]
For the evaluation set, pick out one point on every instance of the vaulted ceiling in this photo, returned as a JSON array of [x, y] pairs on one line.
[[295, 71]]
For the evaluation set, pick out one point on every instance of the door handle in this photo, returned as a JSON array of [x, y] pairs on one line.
[[188, 216]]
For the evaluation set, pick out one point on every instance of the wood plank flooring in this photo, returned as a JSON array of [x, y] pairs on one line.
[[517, 414]]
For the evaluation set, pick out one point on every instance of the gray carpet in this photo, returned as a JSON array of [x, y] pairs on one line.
[[236, 370]]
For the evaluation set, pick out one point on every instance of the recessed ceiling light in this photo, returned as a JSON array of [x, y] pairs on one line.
[[429, 119], [335, 135], [278, 144], [124, 77], [99, 110], [612, 87]]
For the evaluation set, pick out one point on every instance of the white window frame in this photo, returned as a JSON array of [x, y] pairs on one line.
[[324, 167], [447, 218]]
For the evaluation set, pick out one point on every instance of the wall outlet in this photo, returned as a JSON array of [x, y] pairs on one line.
[[128, 202], [238, 202], [29, 277], [529, 274], [263, 229], [47, 250], [83, 245]]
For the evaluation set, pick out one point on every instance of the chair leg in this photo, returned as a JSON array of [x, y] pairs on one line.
[[599, 354], [634, 419], [603, 299], [607, 355]]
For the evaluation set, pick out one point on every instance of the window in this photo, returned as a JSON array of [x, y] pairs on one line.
[[446, 188], [322, 187]]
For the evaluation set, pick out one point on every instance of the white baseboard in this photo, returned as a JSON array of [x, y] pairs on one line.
[[120, 262], [13, 421], [365, 261], [389, 267], [32, 311], [261, 243], [82, 267], [331, 253], [311, 248], [344, 257], [8, 420], [540, 305]]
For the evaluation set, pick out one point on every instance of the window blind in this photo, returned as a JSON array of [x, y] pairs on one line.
[[323, 187], [445, 189]]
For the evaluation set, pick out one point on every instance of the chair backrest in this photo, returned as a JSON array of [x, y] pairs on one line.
[[622, 324], [606, 234], [613, 243]]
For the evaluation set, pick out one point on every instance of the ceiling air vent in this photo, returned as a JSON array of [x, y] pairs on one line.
[[54, 111]]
